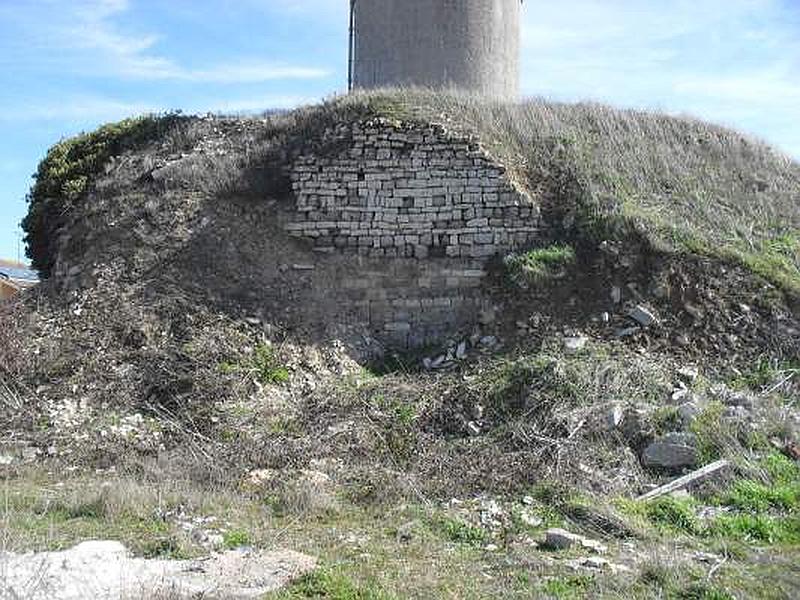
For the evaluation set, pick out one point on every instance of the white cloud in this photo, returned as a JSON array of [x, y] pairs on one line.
[[735, 61], [86, 37], [75, 109]]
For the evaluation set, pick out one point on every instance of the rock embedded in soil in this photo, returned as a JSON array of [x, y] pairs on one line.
[[672, 451], [561, 539]]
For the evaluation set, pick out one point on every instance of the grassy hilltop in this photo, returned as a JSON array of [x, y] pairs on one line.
[[137, 406]]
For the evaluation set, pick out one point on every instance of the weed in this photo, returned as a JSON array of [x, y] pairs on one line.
[[712, 435], [460, 532], [677, 515], [755, 497], [236, 538], [331, 584], [667, 419], [263, 364], [757, 528], [537, 266], [266, 365], [703, 591], [65, 174], [565, 588]]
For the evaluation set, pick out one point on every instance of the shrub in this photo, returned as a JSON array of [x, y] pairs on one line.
[[236, 538], [65, 174]]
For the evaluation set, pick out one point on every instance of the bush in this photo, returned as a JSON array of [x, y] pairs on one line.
[[65, 174]]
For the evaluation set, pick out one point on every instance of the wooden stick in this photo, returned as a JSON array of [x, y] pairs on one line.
[[686, 480]]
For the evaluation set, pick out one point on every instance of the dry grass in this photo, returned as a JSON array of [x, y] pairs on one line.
[[685, 184]]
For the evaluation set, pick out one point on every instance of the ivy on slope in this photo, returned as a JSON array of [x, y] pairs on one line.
[[64, 178]]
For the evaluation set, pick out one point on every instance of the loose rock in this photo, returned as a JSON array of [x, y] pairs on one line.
[[672, 451]]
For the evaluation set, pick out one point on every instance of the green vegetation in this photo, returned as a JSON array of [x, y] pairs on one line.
[[266, 366], [263, 364], [764, 373], [460, 532], [67, 172], [566, 588], [537, 266], [236, 538], [331, 584], [756, 512], [677, 184]]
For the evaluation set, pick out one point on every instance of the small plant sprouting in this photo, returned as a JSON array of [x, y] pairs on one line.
[[263, 364], [236, 538]]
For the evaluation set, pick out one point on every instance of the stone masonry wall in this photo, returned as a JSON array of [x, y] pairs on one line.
[[422, 210]]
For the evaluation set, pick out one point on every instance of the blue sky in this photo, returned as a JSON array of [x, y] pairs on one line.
[[69, 65]]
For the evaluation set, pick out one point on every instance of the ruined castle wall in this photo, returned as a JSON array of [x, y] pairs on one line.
[[417, 213]]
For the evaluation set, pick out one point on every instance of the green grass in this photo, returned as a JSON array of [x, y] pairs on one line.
[[267, 367], [539, 265], [765, 512], [679, 184], [460, 532], [332, 584], [567, 588], [263, 364]]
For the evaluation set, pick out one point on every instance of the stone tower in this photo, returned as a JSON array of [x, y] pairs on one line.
[[472, 45]]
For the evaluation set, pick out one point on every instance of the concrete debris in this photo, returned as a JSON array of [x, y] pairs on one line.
[[530, 519], [595, 563], [615, 416], [105, 570], [685, 481]]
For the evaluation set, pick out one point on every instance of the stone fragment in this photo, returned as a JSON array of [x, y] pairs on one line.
[[561, 539], [688, 374], [626, 332], [473, 429], [573, 345], [642, 315], [615, 416], [672, 451], [105, 570], [461, 351]]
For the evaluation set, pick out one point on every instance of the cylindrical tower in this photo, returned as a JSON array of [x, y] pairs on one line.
[[471, 45]]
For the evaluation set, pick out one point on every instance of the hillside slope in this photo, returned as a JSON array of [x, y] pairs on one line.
[[652, 329]]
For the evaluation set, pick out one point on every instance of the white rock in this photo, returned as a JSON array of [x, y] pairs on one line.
[[461, 351], [643, 316], [688, 374], [103, 570], [573, 345]]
